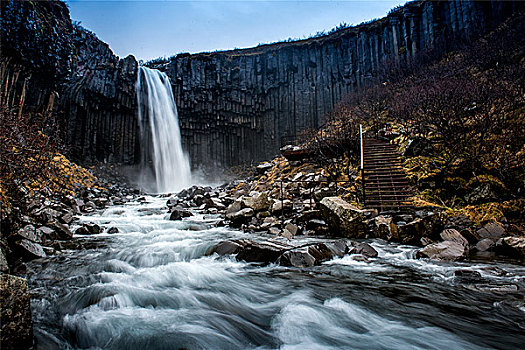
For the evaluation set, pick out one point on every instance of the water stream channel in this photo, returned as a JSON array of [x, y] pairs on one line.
[[151, 286]]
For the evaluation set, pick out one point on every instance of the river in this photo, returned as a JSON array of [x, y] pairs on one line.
[[151, 286]]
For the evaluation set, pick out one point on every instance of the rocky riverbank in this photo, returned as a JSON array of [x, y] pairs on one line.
[[282, 202], [43, 223]]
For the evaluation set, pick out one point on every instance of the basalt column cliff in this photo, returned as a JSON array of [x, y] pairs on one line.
[[236, 105]]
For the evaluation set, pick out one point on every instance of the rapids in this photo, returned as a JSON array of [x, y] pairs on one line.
[[151, 286]]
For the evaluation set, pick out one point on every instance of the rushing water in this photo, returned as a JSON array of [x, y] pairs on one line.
[[152, 287], [157, 105]]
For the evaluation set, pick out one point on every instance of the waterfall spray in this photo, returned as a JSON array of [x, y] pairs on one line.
[[157, 105]]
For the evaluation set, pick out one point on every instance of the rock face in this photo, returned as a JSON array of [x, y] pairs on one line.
[[16, 326], [234, 106], [99, 99], [248, 99]]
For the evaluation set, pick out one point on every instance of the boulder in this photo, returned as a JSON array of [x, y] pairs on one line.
[[113, 230], [339, 247], [297, 258], [493, 231], [364, 249], [459, 222], [15, 312], [30, 250], [179, 214], [290, 230], [234, 207], [412, 232], [262, 252], [257, 202], [29, 232], [344, 219], [446, 250], [451, 234], [88, 229], [280, 205], [512, 246], [383, 227], [322, 252], [60, 231], [485, 245], [227, 247], [274, 231], [240, 217], [268, 222]]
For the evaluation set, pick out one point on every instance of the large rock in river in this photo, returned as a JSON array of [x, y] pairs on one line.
[[447, 250], [16, 323], [345, 219]]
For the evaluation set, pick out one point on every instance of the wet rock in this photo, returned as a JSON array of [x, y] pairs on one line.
[[497, 288], [453, 235], [339, 247], [324, 252], [511, 246], [493, 231], [46, 215], [446, 250], [290, 230], [30, 250], [345, 219], [228, 247], [364, 249], [240, 217], [179, 214], [317, 225], [60, 231], [297, 258], [17, 325], [268, 222], [261, 252], [88, 229], [29, 232], [274, 231], [467, 276], [113, 230]]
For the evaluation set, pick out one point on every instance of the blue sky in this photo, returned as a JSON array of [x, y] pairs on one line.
[[151, 28]]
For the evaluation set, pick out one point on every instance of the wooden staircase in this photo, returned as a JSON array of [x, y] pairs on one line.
[[385, 184]]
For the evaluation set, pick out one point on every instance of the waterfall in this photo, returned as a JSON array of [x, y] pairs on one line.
[[157, 106]]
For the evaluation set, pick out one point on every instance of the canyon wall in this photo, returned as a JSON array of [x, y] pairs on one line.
[[99, 102], [235, 106]]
